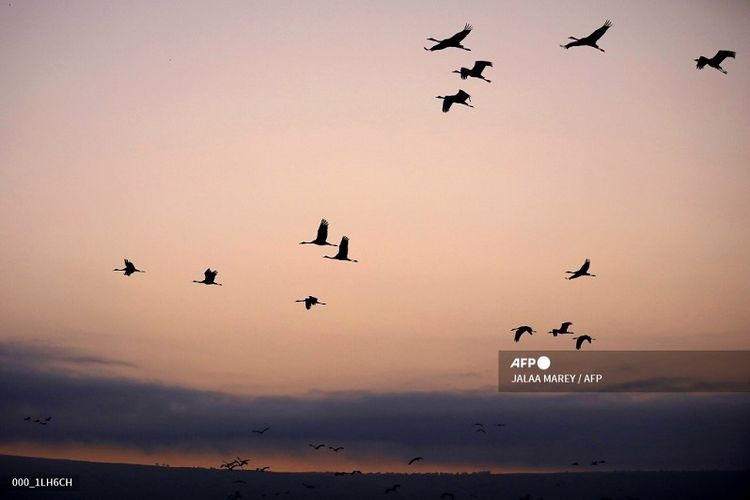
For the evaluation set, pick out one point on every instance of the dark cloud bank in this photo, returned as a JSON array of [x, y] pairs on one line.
[[630, 431]]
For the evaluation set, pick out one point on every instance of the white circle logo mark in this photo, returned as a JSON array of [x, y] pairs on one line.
[[543, 362]]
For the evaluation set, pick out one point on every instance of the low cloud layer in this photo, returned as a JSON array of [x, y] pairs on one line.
[[629, 431]]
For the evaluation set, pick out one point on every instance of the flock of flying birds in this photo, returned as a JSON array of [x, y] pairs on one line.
[[321, 239], [456, 41]]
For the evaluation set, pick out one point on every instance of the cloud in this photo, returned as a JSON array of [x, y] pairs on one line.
[[543, 430]]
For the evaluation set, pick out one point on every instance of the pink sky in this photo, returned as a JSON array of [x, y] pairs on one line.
[[183, 135]]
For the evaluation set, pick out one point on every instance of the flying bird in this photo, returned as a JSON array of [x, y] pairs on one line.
[[27, 419], [262, 469], [343, 253], [715, 61], [454, 41], [241, 462], [459, 98], [563, 330], [580, 340], [481, 430], [322, 237], [129, 268], [591, 39], [520, 330], [311, 301], [261, 431], [336, 449], [48, 419], [478, 424], [210, 277], [316, 446], [415, 459], [393, 488], [308, 486], [474, 72], [583, 271]]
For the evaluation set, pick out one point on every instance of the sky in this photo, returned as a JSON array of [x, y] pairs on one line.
[[183, 135]]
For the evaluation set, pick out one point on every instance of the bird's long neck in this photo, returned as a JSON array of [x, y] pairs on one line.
[[572, 38], [433, 40]]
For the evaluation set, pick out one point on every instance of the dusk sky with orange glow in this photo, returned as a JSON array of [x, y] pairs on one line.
[[187, 135]]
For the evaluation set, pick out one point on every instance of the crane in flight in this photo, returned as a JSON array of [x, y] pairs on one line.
[[311, 301], [579, 342], [475, 71], [343, 253], [520, 330], [209, 278], [563, 330], [583, 271], [261, 431], [459, 97], [129, 268], [715, 61], [322, 236], [591, 39], [453, 41], [415, 459], [336, 449], [316, 446]]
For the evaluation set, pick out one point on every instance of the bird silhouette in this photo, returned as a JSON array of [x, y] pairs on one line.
[[500, 425], [474, 72], [311, 301], [715, 61], [336, 449], [581, 339], [520, 330], [343, 253], [129, 268], [261, 431], [308, 486], [415, 459], [583, 271], [591, 39], [563, 330], [316, 446], [453, 41], [210, 277], [241, 462], [262, 469], [458, 98], [322, 237], [27, 419], [478, 424], [48, 419], [481, 430], [393, 488]]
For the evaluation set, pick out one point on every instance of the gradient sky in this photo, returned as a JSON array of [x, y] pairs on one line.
[[183, 135]]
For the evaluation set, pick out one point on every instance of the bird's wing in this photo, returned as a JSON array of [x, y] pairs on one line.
[[723, 54], [344, 246], [565, 325], [458, 37], [585, 266], [480, 65], [579, 341], [127, 263], [322, 230], [462, 95], [447, 104], [596, 35]]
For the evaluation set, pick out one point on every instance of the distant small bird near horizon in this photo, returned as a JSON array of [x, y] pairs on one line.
[[316, 446], [262, 469], [590, 40], [209, 278], [322, 237], [453, 41], [336, 449], [343, 253], [481, 430], [715, 61], [393, 488], [311, 301], [415, 459], [563, 330], [475, 71], [581, 339], [241, 462], [261, 431], [583, 271], [459, 97], [478, 424], [500, 425], [129, 268], [520, 330]]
